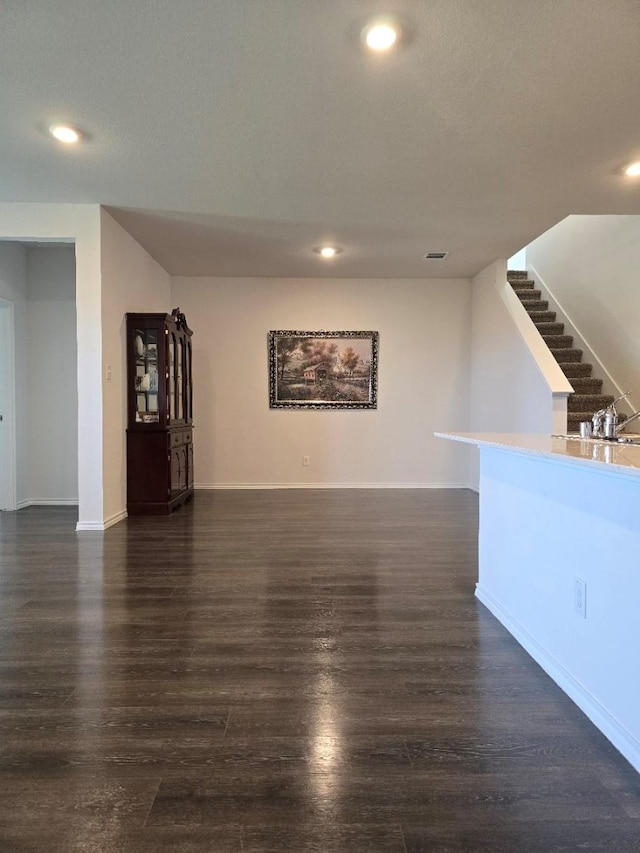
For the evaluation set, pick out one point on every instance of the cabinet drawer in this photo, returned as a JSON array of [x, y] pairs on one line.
[[179, 437], [176, 438]]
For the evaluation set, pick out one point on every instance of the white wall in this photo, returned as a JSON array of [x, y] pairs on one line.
[[514, 377], [52, 390], [519, 260], [423, 382], [13, 288], [590, 265], [80, 224], [131, 281]]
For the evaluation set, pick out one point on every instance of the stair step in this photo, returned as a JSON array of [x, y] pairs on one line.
[[546, 329], [588, 402], [558, 341], [587, 397], [574, 368], [586, 385], [565, 355], [575, 419], [527, 294], [535, 306], [543, 316]]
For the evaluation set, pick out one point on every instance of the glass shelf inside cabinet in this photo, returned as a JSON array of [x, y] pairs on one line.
[[145, 342]]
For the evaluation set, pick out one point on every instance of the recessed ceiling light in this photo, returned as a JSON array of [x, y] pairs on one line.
[[633, 170], [328, 251], [64, 133], [381, 34]]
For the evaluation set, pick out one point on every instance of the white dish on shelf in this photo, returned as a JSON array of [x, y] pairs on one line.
[[139, 345]]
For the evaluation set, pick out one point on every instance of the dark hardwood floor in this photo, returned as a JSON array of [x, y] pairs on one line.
[[283, 671]]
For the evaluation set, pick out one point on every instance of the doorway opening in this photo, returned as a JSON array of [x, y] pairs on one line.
[[7, 407], [38, 374]]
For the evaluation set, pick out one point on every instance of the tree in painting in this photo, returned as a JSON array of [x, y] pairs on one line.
[[286, 346], [350, 360], [317, 351]]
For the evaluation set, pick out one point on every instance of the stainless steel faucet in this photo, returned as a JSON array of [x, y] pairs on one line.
[[626, 422], [605, 421]]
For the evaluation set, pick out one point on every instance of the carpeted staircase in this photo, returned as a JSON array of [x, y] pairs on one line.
[[587, 398]]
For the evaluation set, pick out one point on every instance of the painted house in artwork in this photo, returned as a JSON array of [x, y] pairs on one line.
[[316, 373]]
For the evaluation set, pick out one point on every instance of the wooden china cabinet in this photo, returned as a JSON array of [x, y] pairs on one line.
[[160, 406]]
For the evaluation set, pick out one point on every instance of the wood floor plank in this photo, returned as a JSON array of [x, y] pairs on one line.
[[283, 670]]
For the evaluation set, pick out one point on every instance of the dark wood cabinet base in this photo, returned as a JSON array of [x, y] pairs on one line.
[[159, 470], [165, 508]]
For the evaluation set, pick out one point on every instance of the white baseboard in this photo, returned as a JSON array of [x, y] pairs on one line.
[[101, 525], [115, 518], [623, 741], [46, 502], [89, 526], [209, 486]]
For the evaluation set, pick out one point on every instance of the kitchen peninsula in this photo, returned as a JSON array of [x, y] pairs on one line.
[[559, 565]]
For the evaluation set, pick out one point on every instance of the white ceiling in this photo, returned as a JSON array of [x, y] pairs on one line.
[[230, 137]]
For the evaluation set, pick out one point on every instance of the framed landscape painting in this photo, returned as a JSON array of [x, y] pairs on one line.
[[323, 370]]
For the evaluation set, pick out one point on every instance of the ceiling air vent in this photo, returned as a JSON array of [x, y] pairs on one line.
[[435, 256]]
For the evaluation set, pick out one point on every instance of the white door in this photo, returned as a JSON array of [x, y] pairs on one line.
[[7, 408]]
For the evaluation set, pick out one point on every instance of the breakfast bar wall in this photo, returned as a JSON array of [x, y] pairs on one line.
[[559, 540]]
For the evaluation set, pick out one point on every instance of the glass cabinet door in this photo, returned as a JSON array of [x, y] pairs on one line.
[[172, 377], [188, 403], [180, 380], [146, 377]]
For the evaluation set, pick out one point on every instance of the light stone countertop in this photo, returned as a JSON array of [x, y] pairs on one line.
[[604, 455]]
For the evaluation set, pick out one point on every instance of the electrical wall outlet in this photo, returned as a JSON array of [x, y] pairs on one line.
[[580, 597], [306, 461]]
